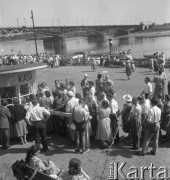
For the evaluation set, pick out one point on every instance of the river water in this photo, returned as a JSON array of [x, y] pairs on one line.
[[140, 45]]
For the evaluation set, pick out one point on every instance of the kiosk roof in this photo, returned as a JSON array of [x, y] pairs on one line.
[[7, 69]]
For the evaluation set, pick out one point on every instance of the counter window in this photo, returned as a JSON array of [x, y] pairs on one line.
[[26, 89], [8, 93]]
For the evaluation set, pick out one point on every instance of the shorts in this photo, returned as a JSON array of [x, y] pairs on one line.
[[80, 126]]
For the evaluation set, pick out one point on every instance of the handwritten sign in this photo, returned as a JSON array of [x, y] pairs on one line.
[[25, 77]]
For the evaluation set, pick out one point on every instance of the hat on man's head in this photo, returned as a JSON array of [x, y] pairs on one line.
[[70, 94], [127, 98], [85, 75]]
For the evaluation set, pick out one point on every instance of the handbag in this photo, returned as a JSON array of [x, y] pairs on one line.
[[18, 168]]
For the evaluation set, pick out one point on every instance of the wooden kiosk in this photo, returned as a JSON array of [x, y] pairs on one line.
[[18, 81]]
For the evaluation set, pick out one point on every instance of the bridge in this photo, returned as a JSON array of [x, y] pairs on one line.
[[62, 30]]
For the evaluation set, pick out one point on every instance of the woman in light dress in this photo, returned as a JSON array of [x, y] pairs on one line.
[[104, 129]]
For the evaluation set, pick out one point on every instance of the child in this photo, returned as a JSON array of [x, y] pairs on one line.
[[74, 172]]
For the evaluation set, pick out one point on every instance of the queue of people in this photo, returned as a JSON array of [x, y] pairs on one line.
[[95, 114]]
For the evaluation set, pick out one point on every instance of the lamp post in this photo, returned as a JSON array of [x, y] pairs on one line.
[[110, 45], [17, 22], [32, 17]]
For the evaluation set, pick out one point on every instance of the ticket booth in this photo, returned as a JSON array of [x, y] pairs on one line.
[[18, 81]]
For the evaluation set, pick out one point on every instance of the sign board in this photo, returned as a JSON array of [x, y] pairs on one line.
[[8, 80]]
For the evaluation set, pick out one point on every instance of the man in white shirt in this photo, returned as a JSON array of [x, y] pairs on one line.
[[135, 123], [145, 105], [71, 103], [148, 88], [35, 117], [92, 90], [113, 117], [153, 128]]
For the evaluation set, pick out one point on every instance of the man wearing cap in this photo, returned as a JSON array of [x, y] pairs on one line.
[[84, 85], [36, 117], [153, 128], [71, 103]]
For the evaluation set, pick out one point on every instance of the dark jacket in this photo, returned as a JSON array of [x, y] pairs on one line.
[[18, 113], [4, 116]]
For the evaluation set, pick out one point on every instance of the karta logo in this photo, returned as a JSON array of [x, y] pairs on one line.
[[25, 77], [137, 173]]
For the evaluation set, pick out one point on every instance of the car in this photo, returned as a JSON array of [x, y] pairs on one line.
[[77, 55]]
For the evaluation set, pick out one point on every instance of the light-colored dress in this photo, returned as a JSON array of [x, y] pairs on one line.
[[104, 128], [37, 164]]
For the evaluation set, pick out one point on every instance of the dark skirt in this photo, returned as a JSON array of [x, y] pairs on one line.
[[128, 71]]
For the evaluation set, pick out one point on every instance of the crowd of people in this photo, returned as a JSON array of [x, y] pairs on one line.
[[157, 62], [95, 112], [13, 59]]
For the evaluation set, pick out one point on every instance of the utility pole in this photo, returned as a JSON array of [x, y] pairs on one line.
[[25, 22], [17, 22], [32, 17]]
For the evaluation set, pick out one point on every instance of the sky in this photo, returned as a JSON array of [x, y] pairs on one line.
[[15, 13]]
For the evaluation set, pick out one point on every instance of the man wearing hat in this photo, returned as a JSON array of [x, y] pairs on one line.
[[126, 113], [85, 85]]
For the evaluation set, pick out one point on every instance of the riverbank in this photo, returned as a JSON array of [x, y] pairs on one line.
[[147, 34]]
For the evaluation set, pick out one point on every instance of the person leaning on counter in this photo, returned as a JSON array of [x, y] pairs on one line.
[[35, 117]]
